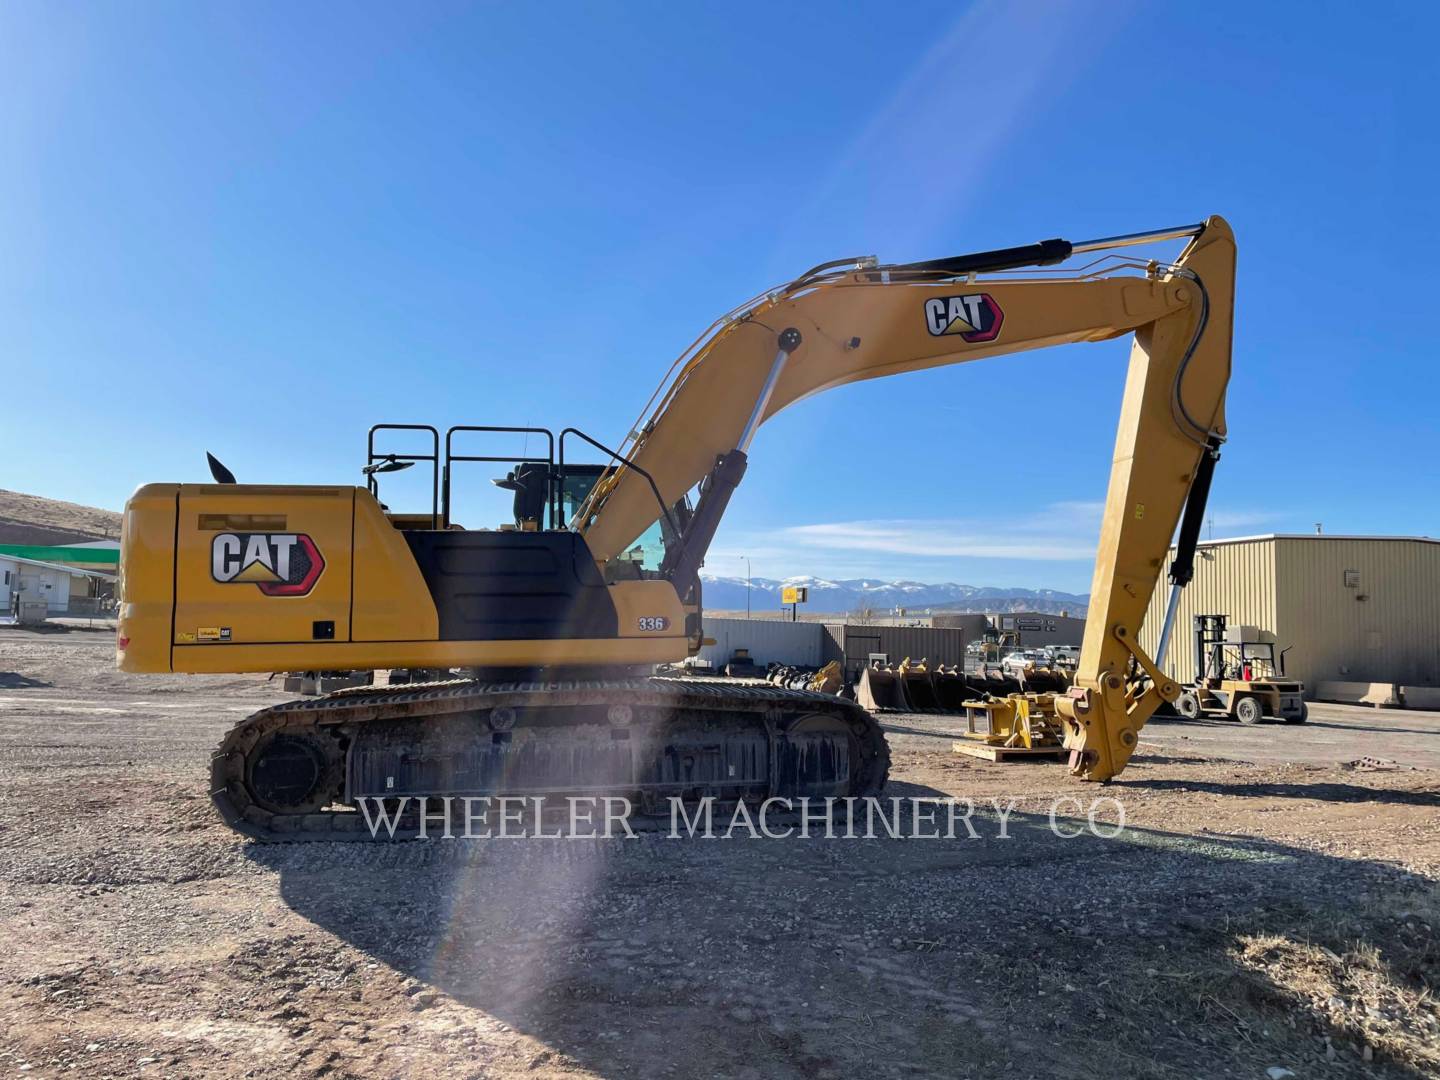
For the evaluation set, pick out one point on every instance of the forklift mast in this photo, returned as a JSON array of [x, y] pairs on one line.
[[1209, 646]]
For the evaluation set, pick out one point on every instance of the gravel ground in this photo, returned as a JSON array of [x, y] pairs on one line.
[[1279, 912]]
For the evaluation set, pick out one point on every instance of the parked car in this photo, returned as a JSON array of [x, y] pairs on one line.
[[1016, 662]]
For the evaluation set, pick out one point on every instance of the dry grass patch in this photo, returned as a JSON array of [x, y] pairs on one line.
[[1365, 978]]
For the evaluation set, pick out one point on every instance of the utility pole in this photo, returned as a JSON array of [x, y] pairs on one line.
[[747, 584]]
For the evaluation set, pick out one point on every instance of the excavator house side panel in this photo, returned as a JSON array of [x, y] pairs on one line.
[[262, 564]]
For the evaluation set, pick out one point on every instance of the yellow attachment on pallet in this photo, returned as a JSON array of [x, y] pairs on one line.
[[1025, 721]]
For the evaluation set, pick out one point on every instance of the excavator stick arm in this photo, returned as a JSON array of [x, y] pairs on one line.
[[1172, 416]]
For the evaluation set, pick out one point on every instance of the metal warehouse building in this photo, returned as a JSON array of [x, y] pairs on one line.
[[1348, 608]]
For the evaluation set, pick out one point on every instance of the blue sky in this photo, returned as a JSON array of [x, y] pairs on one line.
[[257, 229]]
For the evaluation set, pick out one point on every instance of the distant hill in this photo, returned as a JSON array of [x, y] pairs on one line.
[[33, 519], [728, 594]]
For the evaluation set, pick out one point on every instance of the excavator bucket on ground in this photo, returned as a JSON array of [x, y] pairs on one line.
[[919, 686], [952, 689], [1042, 680], [1060, 679], [881, 689], [998, 684]]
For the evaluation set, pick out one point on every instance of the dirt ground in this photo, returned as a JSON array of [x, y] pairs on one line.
[[1270, 905]]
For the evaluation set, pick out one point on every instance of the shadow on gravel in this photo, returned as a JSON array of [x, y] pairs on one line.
[[13, 680], [905, 789], [1024, 954], [901, 729], [1148, 757], [1311, 724], [1322, 792], [1382, 729]]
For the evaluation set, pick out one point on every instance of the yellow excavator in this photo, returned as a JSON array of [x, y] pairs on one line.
[[553, 618]]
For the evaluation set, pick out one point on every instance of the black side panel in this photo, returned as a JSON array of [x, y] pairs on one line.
[[509, 586]]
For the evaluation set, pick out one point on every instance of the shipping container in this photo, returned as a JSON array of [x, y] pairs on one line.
[[855, 643]]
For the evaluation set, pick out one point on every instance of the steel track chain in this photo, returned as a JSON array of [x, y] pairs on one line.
[[360, 705]]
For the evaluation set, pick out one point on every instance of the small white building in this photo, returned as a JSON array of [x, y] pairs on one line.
[[31, 579]]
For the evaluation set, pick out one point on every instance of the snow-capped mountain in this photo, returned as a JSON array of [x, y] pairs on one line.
[[728, 594]]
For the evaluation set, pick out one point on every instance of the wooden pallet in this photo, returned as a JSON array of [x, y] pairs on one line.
[[1008, 753]]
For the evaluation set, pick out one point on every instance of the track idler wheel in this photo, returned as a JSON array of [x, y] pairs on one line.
[[295, 773]]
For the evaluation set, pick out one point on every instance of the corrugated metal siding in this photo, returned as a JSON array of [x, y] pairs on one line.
[[769, 641], [934, 644], [1392, 636], [1295, 588], [855, 642], [1234, 579]]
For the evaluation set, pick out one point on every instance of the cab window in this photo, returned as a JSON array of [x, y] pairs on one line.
[[574, 489], [648, 550]]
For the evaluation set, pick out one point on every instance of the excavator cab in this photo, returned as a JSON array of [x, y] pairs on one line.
[[548, 492], [546, 498], [547, 489]]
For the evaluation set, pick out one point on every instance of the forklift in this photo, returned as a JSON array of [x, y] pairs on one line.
[[1239, 678], [994, 644]]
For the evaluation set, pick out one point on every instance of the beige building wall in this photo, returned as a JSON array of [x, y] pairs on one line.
[[1384, 626], [1295, 587]]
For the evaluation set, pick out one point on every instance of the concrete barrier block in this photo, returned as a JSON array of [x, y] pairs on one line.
[[1359, 693], [1421, 697]]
